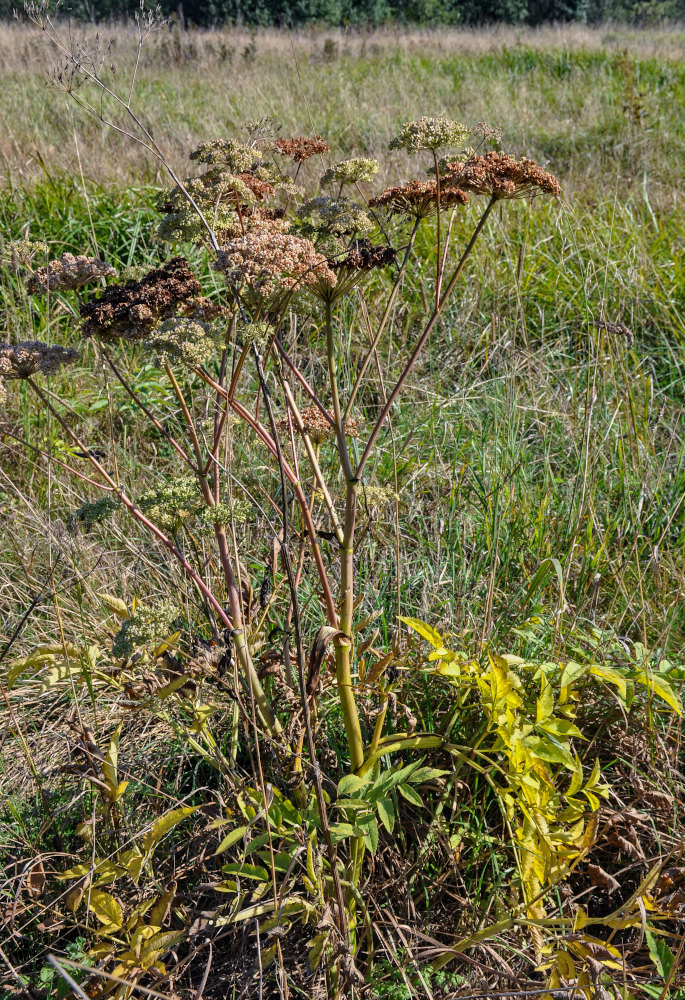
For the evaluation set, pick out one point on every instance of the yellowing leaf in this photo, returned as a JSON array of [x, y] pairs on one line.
[[164, 825], [545, 703], [427, 631], [659, 685], [116, 605], [109, 764], [610, 675], [106, 909], [160, 943]]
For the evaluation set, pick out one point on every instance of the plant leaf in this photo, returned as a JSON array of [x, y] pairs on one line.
[[164, 825]]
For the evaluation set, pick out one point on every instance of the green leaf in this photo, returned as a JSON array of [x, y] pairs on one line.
[[423, 774], [341, 831], [660, 953], [386, 811], [411, 795], [547, 750], [351, 783], [572, 672], [230, 839], [246, 871], [164, 825], [562, 728], [368, 827]]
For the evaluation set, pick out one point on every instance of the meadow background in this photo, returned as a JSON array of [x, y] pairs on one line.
[[552, 421]]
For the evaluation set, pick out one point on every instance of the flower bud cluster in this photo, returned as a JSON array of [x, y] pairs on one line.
[[182, 340], [236, 155], [336, 216], [351, 171], [147, 626], [430, 134], [20, 253], [90, 514]]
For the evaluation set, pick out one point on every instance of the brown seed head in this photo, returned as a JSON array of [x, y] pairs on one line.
[[33, 357], [364, 256], [419, 198], [301, 148], [68, 273], [131, 310], [260, 188], [500, 176], [318, 429]]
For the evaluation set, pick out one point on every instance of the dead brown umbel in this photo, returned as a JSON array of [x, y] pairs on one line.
[[33, 357], [130, 310], [318, 429], [68, 273], [259, 188], [364, 256], [301, 148], [419, 198], [502, 177]]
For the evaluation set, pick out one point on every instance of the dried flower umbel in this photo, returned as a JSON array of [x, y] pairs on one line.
[[364, 256], [131, 310], [431, 134], [487, 132], [268, 263], [354, 265], [500, 177], [68, 273], [354, 170], [419, 198], [33, 357], [318, 429], [301, 148]]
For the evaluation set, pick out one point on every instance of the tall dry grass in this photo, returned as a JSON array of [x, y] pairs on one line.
[[559, 91]]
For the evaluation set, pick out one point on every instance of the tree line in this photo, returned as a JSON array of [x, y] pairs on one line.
[[360, 13]]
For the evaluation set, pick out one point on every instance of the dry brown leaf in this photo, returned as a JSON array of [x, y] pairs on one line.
[[599, 877]]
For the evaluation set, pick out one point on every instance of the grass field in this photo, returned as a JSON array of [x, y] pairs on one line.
[[537, 454]]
